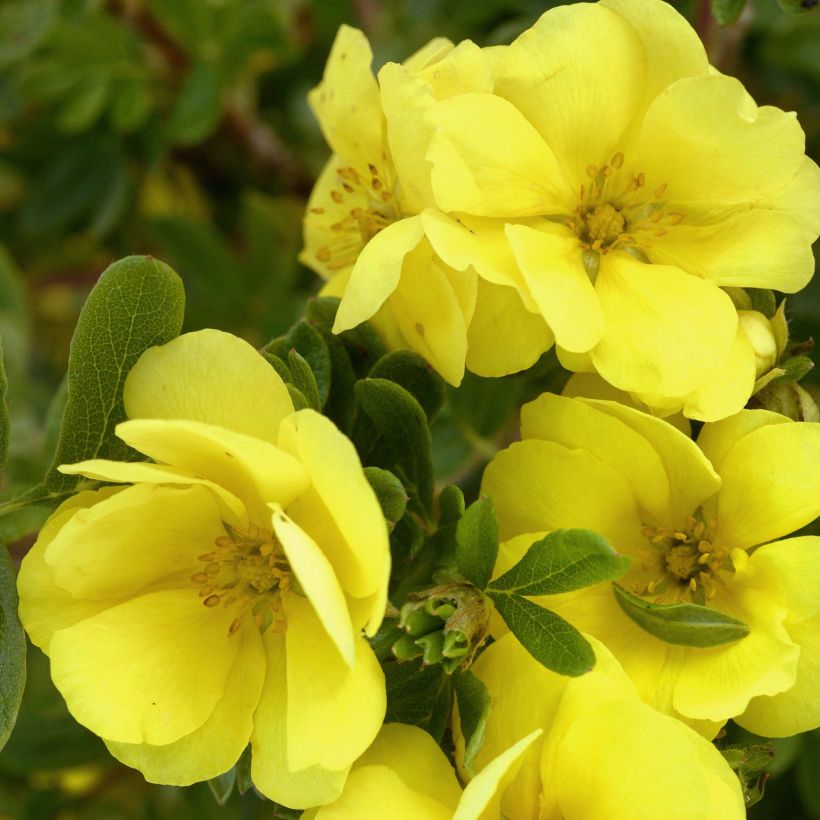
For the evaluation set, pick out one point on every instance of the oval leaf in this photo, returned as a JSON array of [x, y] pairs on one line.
[[473, 702], [683, 624], [563, 561], [477, 542], [4, 412], [12, 650], [552, 641]]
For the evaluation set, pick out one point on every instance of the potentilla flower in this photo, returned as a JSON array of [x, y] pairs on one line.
[[701, 523], [631, 182], [370, 213], [405, 775], [217, 597], [603, 754]]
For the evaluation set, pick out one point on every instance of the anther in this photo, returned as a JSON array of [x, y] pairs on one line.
[[659, 191], [211, 600], [336, 196], [618, 160], [199, 577]]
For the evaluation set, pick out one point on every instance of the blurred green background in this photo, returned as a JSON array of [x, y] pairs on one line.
[[180, 128]]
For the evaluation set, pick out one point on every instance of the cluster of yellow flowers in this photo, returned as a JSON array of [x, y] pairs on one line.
[[595, 186]]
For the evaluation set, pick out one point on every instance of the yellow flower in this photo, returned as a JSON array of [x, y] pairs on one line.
[[218, 597], [371, 214], [632, 183], [700, 523], [404, 775], [603, 753]]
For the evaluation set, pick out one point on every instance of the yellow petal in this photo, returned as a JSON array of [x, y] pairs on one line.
[[333, 712], [566, 91], [340, 512], [717, 439], [708, 141], [143, 472], [771, 484], [551, 262], [464, 68], [430, 316], [252, 469], [406, 98], [215, 746], [482, 796], [206, 376], [672, 49], [270, 772], [575, 424], [429, 54], [417, 760], [664, 328], [489, 161], [798, 708], [801, 197], [718, 683], [377, 272], [688, 779], [145, 537], [376, 792], [758, 248], [727, 388], [500, 315], [692, 480], [592, 386], [150, 670], [540, 485], [346, 102], [318, 581], [44, 606]]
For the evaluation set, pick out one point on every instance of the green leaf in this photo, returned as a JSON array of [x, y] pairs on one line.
[[473, 702], [12, 650], [303, 379], [222, 786], [137, 303], [563, 561], [727, 12], [298, 398], [310, 344], [763, 301], [415, 375], [683, 624], [5, 423], [418, 695], [477, 542], [398, 438], [198, 106], [390, 493], [794, 369], [282, 370], [552, 641]]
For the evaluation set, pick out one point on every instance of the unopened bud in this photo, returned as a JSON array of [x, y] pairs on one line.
[[759, 332]]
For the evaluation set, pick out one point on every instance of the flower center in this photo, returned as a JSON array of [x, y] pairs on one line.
[[682, 563], [369, 207], [249, 570], [617, 209]]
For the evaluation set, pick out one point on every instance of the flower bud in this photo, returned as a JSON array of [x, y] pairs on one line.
[[759, 332]]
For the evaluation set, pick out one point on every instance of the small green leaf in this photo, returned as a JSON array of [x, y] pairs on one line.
[[395, 436], [389, 491], [4, 412], [303, 379], [473, 702], [282, 370], [763, 301], [552, 641], [795, 368], [12, 649], [137, 303], [298, 398], [563, 561], [310, 344], [683, 624], [415, 375], [198, 106], [243, 771], [727, 12], [418, 695], [222, 786], [477, 542]]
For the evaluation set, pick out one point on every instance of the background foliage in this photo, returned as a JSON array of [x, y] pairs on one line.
[[180, 128]]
